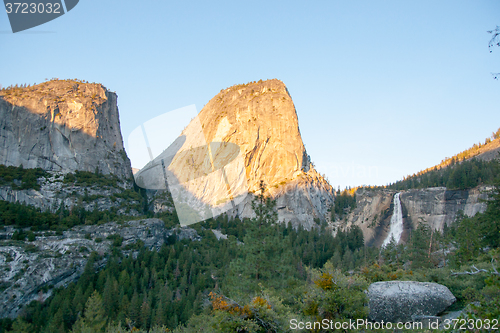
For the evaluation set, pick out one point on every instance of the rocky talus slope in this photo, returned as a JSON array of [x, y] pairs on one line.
[[435, 206], [260, 121], [62, 125]]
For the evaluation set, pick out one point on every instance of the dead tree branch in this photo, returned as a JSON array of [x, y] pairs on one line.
[[476, 271]]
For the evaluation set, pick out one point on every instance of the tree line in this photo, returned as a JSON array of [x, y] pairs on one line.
[[463, 175]]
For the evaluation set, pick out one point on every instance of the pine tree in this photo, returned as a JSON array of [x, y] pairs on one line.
[[94, 319], [145, 314], [490, 223], [110, 296], [21, 326], [468, 237], [419, 247], [265, 255], [134, 311]]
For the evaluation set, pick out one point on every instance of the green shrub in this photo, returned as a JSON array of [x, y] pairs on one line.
[[27, 177], [116, 238], [86, 178]]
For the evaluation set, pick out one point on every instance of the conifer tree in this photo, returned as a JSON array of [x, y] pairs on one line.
[[468, 237], [21, 326], [491, 225], [94, 319], [265, 256], [110, 296], [420, 239]]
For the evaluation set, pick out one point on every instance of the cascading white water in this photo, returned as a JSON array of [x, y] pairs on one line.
[[396, 228]]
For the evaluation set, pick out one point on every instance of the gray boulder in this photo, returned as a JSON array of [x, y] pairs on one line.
[[403, 301]]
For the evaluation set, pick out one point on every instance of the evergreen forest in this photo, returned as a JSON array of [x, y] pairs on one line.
[[266, 274]]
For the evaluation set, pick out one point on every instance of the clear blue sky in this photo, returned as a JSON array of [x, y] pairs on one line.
[[382, 88]]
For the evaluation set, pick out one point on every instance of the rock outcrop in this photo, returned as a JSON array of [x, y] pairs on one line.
[[62, 125], [29, 270], [259, 120], [372, 215], [54, 193], [437, 206], [403, 301]]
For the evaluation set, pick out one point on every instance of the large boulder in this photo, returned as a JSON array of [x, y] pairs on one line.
[[403, 301]]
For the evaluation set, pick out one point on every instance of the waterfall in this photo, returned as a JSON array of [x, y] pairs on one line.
[[396, 228]]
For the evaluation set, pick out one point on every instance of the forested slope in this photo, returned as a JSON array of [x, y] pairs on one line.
[[470, 168], [266, 276]]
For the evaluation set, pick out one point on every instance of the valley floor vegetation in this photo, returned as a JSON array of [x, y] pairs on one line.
[[265, 274]]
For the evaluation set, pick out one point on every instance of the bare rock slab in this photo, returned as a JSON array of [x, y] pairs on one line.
[[403, 301]]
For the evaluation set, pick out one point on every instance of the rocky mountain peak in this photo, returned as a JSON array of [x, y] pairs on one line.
[[260, 118], [62, 125], [245, 134]]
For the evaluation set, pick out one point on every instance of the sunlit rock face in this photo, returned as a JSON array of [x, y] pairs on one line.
[[62, 125], [245, 134], [261, 119]]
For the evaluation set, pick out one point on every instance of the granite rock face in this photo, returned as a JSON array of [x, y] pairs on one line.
[[260, 120], [54, 193], [372, 215], [403, 301], [435, 206], [62, 125], [438, 206], [29, 270]]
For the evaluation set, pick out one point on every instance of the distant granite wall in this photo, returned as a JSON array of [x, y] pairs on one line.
[[438, 206], [435, 206]]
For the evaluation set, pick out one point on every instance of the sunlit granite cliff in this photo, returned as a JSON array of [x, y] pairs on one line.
[[261, 120], [62, 125]]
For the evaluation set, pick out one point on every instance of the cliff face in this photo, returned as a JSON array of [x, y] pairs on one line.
[[261, 119], [372, 214], [434, 206], [62, 125], [438, 206], [252, 131]]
